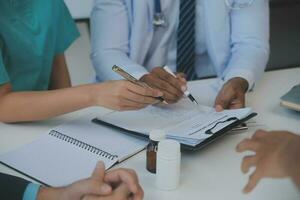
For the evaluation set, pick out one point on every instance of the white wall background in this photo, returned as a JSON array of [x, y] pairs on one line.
[[78, 57], [80, 9]]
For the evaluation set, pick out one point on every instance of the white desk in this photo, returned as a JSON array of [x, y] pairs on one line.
[[212, 173]]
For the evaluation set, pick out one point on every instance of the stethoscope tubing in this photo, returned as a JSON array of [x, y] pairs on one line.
[[232, 6], [229, 3]]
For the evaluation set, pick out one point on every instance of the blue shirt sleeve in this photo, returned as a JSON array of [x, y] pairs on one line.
[[31, 192]]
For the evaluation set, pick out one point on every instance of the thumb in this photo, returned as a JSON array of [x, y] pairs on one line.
[[222, 102], [224, 98], [99, 172], [98, 175], [239, 102]]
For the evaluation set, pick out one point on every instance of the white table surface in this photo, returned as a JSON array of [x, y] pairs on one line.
[[212, 173]]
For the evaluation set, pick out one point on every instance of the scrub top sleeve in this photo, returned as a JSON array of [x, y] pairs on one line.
[[4, 78], [31, 192], [67, 31]]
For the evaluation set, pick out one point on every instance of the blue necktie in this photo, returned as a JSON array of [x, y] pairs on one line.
[[186, 42]]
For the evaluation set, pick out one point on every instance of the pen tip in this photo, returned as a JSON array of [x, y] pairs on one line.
[[193, 99]]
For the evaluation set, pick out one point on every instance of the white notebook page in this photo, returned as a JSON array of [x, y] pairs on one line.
[[104, 138], [54, 161], [59, 160]]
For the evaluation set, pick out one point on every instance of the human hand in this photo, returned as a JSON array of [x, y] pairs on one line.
[[119, 193], [124, 95], [125, 186], [232, 94], [172, 87], [275, 155], [91, 186], [120, 176]]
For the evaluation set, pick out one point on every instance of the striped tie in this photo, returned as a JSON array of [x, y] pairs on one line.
[[186, 42]]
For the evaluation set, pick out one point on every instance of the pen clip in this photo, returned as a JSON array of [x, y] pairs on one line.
[[124, 74], [128, 77]]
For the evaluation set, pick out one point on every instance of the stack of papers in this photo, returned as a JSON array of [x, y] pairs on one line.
[[185, 122], [291, 100]]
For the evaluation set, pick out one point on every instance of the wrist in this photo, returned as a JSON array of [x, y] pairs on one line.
[[91, 91], [95, 91], [47, 193], [239, 83]]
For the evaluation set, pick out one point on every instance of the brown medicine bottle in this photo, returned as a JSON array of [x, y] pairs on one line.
[[155, 136]]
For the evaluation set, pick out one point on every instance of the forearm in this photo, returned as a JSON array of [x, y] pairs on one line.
[[34, 106], [249, 43]]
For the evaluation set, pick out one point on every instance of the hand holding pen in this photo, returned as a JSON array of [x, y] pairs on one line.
[[186, 92], [172, 87], [148, 95], [123, 95]]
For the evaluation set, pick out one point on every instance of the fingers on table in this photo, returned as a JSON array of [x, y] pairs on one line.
[[248, 162], [254, 178], [259, 134], [248, 145]]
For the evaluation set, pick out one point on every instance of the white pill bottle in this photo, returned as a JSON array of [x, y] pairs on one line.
[[168, 165]]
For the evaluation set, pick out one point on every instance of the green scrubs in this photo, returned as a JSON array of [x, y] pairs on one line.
[[32, 33]]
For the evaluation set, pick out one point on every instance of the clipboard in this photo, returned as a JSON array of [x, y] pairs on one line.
[[217, 135]]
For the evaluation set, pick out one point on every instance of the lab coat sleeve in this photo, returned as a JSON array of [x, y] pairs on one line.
[[249, 42], [110, 32]]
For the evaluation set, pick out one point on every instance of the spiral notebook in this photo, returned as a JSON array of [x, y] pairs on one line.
[[70, 152]]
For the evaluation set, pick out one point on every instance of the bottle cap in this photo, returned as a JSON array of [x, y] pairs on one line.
[[168, 149], [157, 135]]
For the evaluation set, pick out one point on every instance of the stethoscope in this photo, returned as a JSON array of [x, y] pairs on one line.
[[159, 19], [238, 6]]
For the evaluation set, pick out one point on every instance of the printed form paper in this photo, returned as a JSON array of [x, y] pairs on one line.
[[183, 121]]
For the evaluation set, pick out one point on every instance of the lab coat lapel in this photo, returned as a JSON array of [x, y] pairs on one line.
[[142, 28], [217, 32]]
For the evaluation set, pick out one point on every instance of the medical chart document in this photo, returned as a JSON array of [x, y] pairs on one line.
[[184, 121]]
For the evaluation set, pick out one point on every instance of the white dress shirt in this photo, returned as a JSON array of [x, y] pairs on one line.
[[230, 43], [167, 36]]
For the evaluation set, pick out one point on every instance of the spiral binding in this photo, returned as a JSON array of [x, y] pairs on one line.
[[82, 145]]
